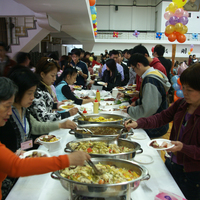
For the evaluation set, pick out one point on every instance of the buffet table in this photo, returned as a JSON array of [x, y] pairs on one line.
[[43, 187]]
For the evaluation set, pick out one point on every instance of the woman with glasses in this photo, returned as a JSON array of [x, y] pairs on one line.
[[43, 104]]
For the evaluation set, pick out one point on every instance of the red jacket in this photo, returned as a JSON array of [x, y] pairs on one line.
[[189, 156], [156, 64], [14, 166]]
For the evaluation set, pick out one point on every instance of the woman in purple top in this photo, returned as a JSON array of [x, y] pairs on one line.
[[184, 164]]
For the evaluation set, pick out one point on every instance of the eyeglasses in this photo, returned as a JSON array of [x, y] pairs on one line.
[[51, 60]]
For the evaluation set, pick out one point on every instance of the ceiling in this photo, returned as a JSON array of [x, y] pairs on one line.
[[73, 17]]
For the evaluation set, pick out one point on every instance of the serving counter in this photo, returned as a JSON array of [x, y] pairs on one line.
[[43, 187]]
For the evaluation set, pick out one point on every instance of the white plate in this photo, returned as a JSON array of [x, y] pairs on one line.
[[27, 153], [101, 83], [160, 141], [138, 136], [63, 107], [77, 87], [121, 88], [143, 158]]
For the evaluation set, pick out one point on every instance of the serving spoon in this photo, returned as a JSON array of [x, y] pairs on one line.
[[82, 115]]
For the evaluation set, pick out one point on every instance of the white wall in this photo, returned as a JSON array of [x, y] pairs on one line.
[[11, 8]]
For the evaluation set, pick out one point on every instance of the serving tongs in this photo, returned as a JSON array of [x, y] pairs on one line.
[[82, 115], [88, 130], [94, 167]]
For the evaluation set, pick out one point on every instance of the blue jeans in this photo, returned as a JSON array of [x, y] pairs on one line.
[[188, 182]]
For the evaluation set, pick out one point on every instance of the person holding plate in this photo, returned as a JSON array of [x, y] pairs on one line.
[[63, 91], [16, 126], [43, 103], [184, 164]]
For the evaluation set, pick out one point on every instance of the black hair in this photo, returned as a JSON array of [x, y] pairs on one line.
[[190, 76], [111, 64], [24, 78], [120, 52], [140, 49], [125, 51], [7, 88], [21, 57], [130, 51], [68, 70], [76, 52], [87, 53], [53, 55], [159, 49], [82, 50], [2, 44], [113, 52], [138, 58]]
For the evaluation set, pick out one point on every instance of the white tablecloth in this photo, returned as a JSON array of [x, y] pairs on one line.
[[43, 187]]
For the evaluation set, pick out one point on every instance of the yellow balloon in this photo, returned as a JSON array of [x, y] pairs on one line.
[[173, 7], [180, 3], [94, 17], [185, 30], [170, 29], [95, 23], [95, 29], [167, 9], [91, 59], [178, 27], [189, 53]]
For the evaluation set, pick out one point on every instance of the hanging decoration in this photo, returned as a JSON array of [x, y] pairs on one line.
[[177, 83], [93, 15], [152, 49], [177, 18], [159, 35], [195, 36], [115, 34], [191, 49], [136, 33]]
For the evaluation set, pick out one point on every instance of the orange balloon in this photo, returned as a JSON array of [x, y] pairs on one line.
[[92, 2], [166, 34], [172, 37], [179, 81], [191, 49], [95, 33], [181, 38], [175, 98]]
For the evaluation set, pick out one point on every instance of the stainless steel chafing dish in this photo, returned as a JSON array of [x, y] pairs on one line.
[[109, 140], [105, 190], [118, 119], [80, 135]]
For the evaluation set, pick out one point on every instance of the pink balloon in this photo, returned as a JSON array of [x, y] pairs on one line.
[[179, 12], [185, 13], [168, 14]]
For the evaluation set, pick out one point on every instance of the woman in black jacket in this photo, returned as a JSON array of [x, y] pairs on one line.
[[111, 76]]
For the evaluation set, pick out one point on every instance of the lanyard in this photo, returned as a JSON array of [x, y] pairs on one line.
[[23, 127]]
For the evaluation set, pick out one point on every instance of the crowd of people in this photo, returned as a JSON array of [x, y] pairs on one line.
[[30, 97]]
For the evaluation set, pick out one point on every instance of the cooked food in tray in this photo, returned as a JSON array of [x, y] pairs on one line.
[[123, 107], [101, 130], [48, 138], [101, 119], [99, 147], [77, 86], [36, 154], [67, 106], [111, 174]]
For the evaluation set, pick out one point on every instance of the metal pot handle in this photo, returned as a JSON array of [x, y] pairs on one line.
[[72, 132], [67, 150], [53, 175], [146, 175], [139, 151]]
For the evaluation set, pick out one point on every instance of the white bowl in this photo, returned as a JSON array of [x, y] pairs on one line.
[[27, 153], [52, 146]]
